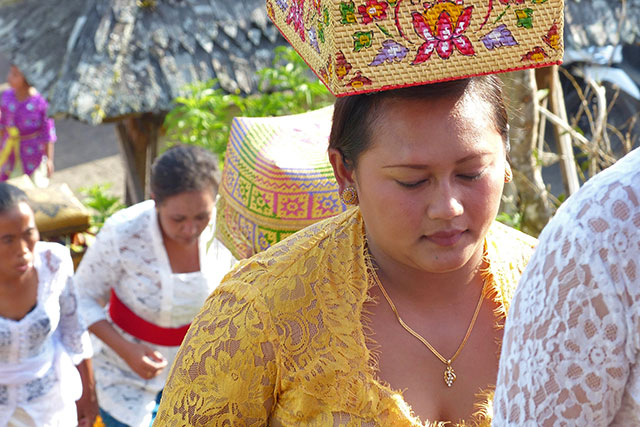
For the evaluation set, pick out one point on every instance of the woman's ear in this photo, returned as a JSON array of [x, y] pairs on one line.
[[343, 174]]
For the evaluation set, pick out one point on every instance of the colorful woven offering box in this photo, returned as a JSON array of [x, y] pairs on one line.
[[276, 180], [358, 46]]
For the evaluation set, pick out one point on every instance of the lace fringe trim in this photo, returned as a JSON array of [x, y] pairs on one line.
[[484, 399]]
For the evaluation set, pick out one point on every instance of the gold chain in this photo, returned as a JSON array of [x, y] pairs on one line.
[[449, 373]]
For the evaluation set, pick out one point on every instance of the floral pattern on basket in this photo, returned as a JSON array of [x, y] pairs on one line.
[[364, 45], [276, 180]]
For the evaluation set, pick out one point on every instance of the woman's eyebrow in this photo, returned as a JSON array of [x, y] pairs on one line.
[[422, 166]]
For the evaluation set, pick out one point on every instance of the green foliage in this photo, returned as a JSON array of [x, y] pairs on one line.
[[512, 220], [561, 198], [101, 204], [204, 116]]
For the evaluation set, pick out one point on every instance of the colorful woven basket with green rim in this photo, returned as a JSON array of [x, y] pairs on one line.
[[357, 46], [276, 180]]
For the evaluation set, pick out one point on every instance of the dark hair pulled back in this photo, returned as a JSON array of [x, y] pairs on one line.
[[353, 115], [10, 197], [181, 169]]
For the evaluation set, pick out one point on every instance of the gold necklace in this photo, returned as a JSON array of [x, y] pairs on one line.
[[449, 373]]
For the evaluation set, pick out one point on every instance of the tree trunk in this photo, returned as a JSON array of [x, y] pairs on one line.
[[138, 139], [532, 198]]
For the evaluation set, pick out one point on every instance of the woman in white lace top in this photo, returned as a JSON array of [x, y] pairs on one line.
[[572, 340], [41, 335], [152, 265]]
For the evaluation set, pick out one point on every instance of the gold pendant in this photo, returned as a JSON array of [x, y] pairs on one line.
[[449, 376]]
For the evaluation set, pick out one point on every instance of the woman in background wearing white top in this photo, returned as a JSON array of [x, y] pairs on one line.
[[154, 264], [41, 335]]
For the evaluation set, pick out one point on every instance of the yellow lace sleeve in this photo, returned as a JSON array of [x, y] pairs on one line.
[[226, 370]]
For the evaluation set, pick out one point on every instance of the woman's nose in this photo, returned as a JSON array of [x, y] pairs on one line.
[[189, 227], [25, 247], [444, 204]]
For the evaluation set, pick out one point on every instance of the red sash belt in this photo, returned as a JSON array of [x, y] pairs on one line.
[[135, 325]]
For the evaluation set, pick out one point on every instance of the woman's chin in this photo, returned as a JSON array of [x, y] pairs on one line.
[[446, 260]]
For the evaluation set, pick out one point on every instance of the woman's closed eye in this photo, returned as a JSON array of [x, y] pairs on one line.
[[474, 176], [411, 184]]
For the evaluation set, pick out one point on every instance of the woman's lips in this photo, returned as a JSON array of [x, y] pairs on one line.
[[445, 238], [23, 267]]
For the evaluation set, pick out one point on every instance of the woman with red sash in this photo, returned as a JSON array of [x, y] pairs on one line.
[[152, 266]]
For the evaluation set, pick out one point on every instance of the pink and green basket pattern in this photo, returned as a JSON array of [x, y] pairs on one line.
[[276, 180], [358, 46]]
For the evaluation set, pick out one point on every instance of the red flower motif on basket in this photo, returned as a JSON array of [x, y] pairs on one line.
[[440, 34], [342, 65], [296, 12], [553, 38], [359, 81], [373, 9]]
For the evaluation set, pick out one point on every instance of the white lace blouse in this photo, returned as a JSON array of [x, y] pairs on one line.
[[129, 256], [571, 345], [38, 352]]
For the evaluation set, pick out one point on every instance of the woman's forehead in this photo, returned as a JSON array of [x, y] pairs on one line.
[[408, 130], [410, 116], [19, 213]]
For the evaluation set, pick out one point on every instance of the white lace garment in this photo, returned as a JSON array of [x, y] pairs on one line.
[[46, 336], [129, 256], [570, 352]]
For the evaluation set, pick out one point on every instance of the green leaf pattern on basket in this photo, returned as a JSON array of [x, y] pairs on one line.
[[348, 12], [362, 39], [525, 18]]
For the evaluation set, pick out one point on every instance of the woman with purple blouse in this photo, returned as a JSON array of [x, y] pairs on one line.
[[26, 133]]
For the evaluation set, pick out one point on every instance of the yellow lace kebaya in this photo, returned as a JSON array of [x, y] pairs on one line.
[[281, 341]]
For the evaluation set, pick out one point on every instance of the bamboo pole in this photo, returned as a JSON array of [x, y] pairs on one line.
[[563, 138]]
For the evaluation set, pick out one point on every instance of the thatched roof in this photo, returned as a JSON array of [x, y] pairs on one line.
[[591, 23], [102, 59]]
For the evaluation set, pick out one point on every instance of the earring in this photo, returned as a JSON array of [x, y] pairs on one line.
[[349, 196], [508, 175]]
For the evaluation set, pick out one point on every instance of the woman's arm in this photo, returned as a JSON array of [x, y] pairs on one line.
[[75, 339], [87, 405], [565, 357], [97, 272], [50, 152]]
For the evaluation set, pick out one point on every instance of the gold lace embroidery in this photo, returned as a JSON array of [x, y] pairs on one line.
[[282, 341]]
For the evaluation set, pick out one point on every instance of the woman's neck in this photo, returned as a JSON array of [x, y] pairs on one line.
[[22, 93], [183, 258], [13, 285]]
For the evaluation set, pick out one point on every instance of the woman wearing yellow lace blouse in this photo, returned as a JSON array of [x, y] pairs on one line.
[[388, 314]]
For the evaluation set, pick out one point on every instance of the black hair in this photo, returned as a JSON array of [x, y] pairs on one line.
[[10, 197], [183, 168], [353, 115]]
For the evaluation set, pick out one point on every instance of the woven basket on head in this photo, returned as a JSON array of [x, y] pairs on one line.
[[276, 180], [357, 46]]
